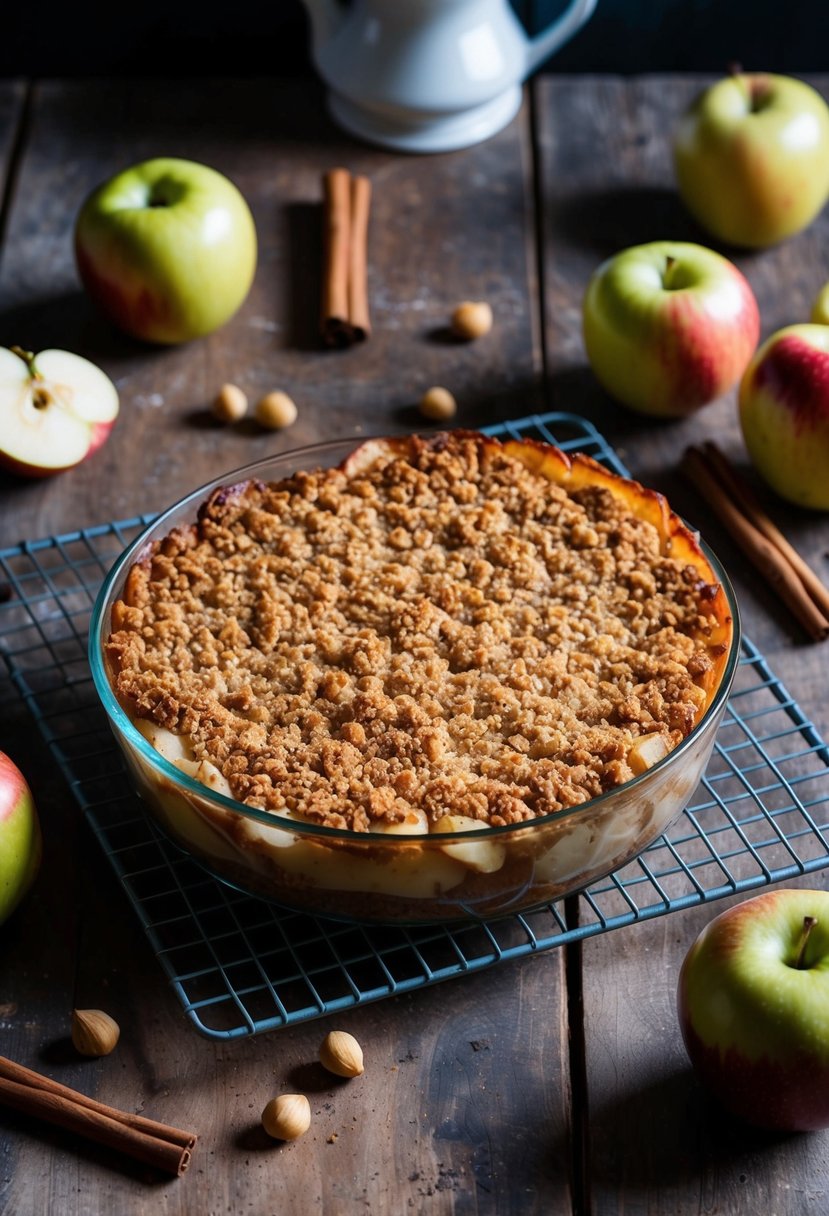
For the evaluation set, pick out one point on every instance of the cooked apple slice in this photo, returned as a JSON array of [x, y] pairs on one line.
[[646, 751], [171, 747], [55, 410], [485, 856], [179, 751], [415, 824]]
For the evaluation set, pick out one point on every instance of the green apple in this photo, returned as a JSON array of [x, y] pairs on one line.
[[55, 410], [669, 326], [20, 839], [753, 1004], [784, 413], [820, 308], [167, 249], [752, 158]]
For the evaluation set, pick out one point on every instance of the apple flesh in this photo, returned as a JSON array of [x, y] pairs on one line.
[[784, 414], [55, 410], [753, 1004], [166, 249], [752, 158], [20, 839], [669, 326]]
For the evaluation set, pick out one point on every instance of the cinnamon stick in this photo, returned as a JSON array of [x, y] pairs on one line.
[[358, 259], [764, 555], [156, 1144], [745, 497], [346, 204], [337, 210]]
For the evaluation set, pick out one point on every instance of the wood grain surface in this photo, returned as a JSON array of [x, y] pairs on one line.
[[554, 1085]]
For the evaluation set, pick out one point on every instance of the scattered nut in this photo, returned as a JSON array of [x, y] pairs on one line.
[[471, 319], [287, 1117], [341, 1054], [275, 411], [231, 404], [438, 404], [94, 1033]]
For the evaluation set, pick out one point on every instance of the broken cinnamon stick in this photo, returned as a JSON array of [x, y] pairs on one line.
[[746, 499], [155, 1144], [763, 554], [346, 203]]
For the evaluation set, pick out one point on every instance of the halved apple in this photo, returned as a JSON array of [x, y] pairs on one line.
[[56, 409]]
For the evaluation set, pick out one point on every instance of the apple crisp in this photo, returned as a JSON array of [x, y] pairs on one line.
[[441, 626]]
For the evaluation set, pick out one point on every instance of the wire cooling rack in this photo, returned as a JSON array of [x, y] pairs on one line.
[[240, 965]]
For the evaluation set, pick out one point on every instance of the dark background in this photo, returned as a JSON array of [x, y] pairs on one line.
[[246, 37]]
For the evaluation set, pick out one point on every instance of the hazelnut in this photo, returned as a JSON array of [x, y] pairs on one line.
[[438, 404], [275, 411], [94, 1033], [230, 404], [341, 1054], [287, 1117], [471, 319]]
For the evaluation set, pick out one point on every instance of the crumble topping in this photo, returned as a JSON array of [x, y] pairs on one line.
[[437, 629]]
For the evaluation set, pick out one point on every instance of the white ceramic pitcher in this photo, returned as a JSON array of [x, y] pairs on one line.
[[429, 75]]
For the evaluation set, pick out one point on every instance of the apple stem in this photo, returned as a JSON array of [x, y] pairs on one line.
[[735, 71], [28, 358], [809, 923], [41, 398], [755, 89], [759, 93]]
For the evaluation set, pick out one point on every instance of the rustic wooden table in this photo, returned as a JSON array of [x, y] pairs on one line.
[[554, 1084]]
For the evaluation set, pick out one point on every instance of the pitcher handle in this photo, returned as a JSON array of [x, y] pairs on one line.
[[562, 29]]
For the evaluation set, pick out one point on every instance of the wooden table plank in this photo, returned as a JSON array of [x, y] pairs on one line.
[[464, 1105], [654, 1143]]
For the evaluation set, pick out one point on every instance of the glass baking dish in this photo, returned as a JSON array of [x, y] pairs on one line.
[[402, 877]]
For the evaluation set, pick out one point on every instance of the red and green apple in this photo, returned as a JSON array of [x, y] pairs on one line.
[[669, 326], [20, 839], [752, 158], [167, 249], [784, 413], [56, 409], [753, 1004]]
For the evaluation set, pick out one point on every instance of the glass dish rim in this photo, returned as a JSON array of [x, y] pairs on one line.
[[120, 720]]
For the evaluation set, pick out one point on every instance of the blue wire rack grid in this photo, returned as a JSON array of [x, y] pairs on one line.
[[240, 965]]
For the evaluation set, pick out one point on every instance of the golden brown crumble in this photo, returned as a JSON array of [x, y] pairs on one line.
[[433, 627]]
